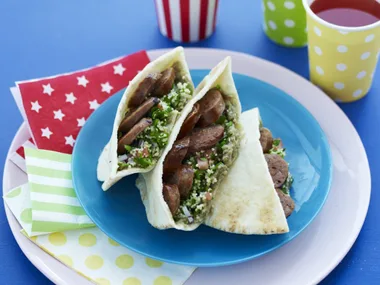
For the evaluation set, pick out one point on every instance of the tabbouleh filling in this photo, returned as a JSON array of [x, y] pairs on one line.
[[149, 145], [196, 206], [277, 149]]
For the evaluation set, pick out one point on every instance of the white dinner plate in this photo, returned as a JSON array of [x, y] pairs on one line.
[[317, 250]]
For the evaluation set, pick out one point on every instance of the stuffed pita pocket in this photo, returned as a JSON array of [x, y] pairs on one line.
[[203, 146], [145, 118]]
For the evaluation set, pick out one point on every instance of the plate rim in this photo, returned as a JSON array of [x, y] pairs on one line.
[[329, 165], [21, 240], [39, 263]]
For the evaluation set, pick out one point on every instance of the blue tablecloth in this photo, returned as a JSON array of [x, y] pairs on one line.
[[44, 37]]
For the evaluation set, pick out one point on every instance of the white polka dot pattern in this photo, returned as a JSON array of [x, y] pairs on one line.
[[365, 55], [320, 70], [339, 85], [288, 40], [341, 66], [271, 6], [342, 62], [369, 38], [289, 5], [317, 31], [357, 93], [272, 25], [289, 23], [318, 50], [284, 24], [342, 48], [361, 74]]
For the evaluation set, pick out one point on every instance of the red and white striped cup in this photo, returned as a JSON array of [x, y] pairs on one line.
[[186, 20]]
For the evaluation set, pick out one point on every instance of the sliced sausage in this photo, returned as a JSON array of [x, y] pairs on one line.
[[190, 121], [136, 115], [129, 137], [183, 177], [278, 169], [212, 106], [175, 156], [165, 83], [286, 202], [143, 90], [205, 138], [266, 139], [171, 197]]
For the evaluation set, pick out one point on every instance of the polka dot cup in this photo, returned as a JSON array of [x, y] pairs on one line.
[[342, 60], [285, 22]]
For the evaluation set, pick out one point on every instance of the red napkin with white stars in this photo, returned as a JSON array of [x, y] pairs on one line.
[[57, 107]]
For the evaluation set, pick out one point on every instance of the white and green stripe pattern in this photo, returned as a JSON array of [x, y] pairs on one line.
[[55, 206]]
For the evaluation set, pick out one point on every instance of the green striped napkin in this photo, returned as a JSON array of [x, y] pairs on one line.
[[48, 211], [54, 204]]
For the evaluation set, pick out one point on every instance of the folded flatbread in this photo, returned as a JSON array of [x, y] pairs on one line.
[[204, 143], [246, 201], [146, 115]]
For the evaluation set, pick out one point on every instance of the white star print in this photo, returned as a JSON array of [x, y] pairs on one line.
[[58, 115], [82, 81], [106, 87], [70, 98], [46, 133], [93, 104], [47, 89], [81, 122], [36, 106], [70, 140], [119, 69]]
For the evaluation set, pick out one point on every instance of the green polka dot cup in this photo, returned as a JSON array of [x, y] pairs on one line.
[[342, 60], [285, 22]]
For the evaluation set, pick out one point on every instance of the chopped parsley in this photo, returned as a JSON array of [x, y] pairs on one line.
[[279, 151], [276, 142], [205, 181], [288, 183], [155, 138]]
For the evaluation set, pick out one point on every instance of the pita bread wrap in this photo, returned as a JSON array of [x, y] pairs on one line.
[[151, 184], [115, 162], [246, 201]]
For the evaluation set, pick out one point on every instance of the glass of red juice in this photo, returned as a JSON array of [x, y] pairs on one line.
[[343, 46]]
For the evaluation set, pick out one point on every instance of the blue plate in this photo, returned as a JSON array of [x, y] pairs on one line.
[[120, 214]]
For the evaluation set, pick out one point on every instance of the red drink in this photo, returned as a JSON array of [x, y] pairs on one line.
[[347, 13]]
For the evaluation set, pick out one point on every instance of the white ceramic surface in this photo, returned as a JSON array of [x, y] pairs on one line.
[[314, 253]]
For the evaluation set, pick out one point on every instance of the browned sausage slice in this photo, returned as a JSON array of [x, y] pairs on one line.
[[212, 106], [266, 139], [190, 121], [171, 197], [143, 90], [129, 137], [205, 138], [175, 156], [183, 177], [137, 114], [286, 202], [165, 83], [278, 169]]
